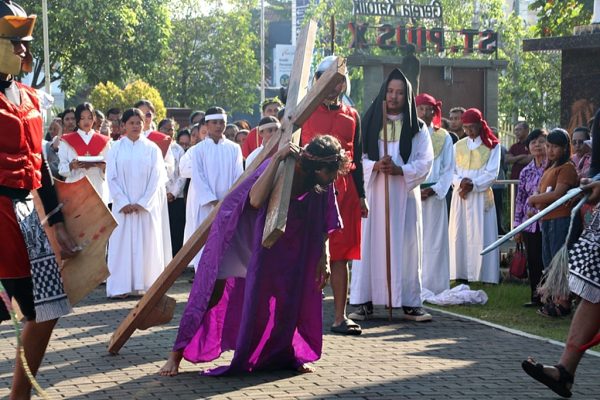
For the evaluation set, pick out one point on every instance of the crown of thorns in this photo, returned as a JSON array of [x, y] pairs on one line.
[[330, 158]]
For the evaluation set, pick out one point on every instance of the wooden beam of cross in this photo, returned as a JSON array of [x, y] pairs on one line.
[[298, 109]]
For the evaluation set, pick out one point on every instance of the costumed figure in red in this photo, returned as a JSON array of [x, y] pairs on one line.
[[29, 272], [341, 121]]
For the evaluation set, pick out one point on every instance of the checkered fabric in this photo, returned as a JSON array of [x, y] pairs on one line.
[[49, 295], [584, 261]]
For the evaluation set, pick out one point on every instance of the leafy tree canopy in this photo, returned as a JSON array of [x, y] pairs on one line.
[[96, 41], [559, 17], [212, 56]]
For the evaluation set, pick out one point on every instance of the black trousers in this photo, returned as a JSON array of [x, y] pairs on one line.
[[177, 223], [499, 203], [535, 265]]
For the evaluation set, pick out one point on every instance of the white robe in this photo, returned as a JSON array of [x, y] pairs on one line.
[[436, 257], [369, 281], [169, 158], [472, 227], [140, 247], [176, 183], [254, 154], [185, 172], [97, 177], [214, 169]]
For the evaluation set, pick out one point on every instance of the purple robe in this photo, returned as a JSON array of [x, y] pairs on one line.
[[270, 312]]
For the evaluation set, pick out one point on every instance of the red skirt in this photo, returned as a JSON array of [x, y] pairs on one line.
[[344, 244], [14, 262]]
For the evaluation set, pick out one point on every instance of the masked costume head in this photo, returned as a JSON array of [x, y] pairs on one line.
[[15, 26], [372, 121], [324, 66]]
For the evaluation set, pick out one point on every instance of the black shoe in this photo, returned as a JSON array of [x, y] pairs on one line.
[[363, 312], [417, 314]]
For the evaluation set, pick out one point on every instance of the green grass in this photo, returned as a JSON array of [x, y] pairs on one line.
[[505, 307]]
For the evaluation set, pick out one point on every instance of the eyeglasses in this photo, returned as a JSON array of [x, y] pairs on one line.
[[577, 142], [148, 114]]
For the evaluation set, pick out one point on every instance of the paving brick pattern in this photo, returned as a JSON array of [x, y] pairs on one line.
[[448, 358]]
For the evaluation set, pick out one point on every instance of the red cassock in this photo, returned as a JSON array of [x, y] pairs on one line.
[[20, 163], [344, 244]]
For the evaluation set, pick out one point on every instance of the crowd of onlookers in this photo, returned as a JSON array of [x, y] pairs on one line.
[[546, 164], [83, 141]]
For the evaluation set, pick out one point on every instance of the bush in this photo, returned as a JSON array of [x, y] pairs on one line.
[[107, 95]]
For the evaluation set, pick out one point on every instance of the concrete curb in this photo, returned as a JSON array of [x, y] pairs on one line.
[[509, 330]]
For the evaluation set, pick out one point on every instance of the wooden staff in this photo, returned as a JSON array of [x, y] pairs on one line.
[[388, 249]]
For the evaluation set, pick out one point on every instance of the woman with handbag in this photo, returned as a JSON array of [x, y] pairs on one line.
[[531, 237]]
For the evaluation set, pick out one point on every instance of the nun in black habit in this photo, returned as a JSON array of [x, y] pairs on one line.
[[409, 160]]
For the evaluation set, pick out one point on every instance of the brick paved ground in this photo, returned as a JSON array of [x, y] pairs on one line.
[[449, 358]]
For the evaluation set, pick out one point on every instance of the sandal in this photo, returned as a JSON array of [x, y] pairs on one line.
[[551, 309], [561, 387], [347, 327]]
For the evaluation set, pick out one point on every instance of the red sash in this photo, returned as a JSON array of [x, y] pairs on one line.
[[162, 141], [94, 148]]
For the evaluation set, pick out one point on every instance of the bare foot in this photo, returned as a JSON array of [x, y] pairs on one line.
[[305, 369], [171, 367]]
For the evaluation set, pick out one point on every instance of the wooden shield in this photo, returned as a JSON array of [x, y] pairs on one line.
[[90, 223]]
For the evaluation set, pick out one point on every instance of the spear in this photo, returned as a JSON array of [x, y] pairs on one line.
[[572, 193], [388, 255]]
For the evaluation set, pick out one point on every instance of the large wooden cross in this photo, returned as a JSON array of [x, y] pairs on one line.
[[155, 307]]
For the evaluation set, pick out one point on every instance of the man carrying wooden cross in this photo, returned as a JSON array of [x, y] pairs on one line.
[[265, 303], [298, 108]]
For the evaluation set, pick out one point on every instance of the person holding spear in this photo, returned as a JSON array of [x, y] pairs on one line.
[[403, 159], [584, 281]]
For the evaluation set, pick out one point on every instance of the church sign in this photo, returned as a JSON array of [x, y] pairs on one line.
[[390, 8], [388, 36]]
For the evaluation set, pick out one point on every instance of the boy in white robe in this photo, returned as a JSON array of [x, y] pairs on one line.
[[215, 164], [267, 127], [436, 273]]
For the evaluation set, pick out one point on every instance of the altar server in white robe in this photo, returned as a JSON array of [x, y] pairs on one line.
[[408, 163], [473, 224], [140, 246], [214, 165], [436, 258], [82, 153]]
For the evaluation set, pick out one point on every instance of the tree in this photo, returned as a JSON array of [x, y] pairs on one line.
[[559, 17], [529, 88], [212, 56], [92, 41]]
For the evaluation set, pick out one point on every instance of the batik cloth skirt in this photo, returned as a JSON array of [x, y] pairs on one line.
[[584, 261]]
